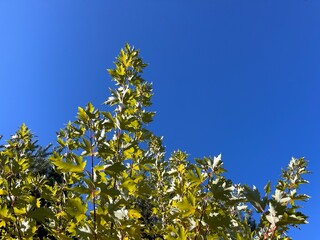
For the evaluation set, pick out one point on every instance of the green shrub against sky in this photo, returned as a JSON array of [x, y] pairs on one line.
[[108, 178]]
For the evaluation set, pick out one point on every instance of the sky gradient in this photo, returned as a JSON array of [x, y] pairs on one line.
[[239, 78]]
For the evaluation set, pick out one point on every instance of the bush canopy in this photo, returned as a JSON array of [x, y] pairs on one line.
[[108, 178]]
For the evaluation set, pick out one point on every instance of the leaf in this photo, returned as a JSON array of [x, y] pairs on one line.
[[3, 192], [87, 146], [66, 166], [134, 213], [181, 168], [253, 196], [82, 115], [109, 119], [128, 153], [2, 223], [267, 188], [134, 125], [81, 190], [182, 233], [76, 209], [120, 70], [90, 107], [121, 213], [38, 202], [216, 162], [41, 214], [213, 237], [281, 197], [272, 216], [116, 168], [130, 185], [187, 205], [301, 197], [4, 213], [19, 211], [147, 117]]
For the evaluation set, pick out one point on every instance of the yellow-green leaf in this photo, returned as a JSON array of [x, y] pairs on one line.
[[82, 115], [128, 153], [66, 166], [130, 185], [133, 213], [3, 192]]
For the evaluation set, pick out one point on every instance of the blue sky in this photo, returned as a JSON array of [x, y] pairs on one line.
[[239, 78]]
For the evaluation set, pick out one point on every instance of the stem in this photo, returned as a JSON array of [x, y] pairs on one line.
[[118, 154], [273, 231], [205, 199], [118, 133], [17, 225], [94, 187]]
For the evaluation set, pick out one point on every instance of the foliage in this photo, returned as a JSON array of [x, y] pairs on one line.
[[108, 178]]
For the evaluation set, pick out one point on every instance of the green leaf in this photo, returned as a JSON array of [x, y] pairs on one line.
[[82, 115], [76, 209], [90, 107], [253, 196], [240, 237], [187, 205], [41, 214], [111, 121], [120, 70], [116, 168], [134, 213], [134, 124], [3, 192], [182, 233], [267, 188], [147, 117], [130, 185], [128, 153], [4, 213], [81, 190], [63, 166]]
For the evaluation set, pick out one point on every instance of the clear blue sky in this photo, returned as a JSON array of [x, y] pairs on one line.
[[239, 78]]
